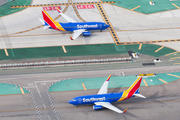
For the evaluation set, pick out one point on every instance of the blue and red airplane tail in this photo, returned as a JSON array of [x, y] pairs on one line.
[[133, 90], [51, 22]]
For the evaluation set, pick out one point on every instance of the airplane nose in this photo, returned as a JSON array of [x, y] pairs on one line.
[[70, 102], [107, 25]]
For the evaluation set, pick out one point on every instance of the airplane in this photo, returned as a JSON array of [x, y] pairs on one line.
[[104, 99], [77, 28]]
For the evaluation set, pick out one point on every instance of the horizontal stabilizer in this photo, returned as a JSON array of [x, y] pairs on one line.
[[139, 95], [44, 23]]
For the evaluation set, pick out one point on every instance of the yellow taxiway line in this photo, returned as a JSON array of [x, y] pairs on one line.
[[159, 49], [171, 53], [22, 91], [175, 58], [174, 75], [135, 8], [84, 86], [6, 52], [175, 5], [64, 49], [176, 63], [145, 82], [163, 81], [140, 45]]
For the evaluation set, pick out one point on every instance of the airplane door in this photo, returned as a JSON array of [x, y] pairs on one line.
[[80, 100], [100, 25]]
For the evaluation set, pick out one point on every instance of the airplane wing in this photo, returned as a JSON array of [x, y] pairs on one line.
[[110, 106], [104, 87], [77, 33], [65, 16]]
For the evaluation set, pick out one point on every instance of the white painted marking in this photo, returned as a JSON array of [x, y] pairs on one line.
[[44, 106], [145, 113], [38, 89], [49, 117]]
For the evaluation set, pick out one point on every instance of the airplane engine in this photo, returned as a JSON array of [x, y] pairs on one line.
[[87, 33], [97, 107]]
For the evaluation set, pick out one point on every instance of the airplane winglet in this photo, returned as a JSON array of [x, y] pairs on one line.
[[58, 10], [125, 110], [108, 78], [71, 38]]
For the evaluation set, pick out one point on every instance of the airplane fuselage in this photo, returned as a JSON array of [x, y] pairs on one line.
[[91, 99], [81, 25]]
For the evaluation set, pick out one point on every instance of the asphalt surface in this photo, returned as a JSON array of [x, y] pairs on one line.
[[162, 101]]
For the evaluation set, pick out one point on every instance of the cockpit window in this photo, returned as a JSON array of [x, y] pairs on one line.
[[73, 100]]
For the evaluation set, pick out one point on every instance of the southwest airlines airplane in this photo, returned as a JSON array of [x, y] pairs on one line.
[[103, 99], [77, 28]]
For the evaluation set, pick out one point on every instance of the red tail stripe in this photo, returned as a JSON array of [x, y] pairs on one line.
[[133, 90], [48, 20]]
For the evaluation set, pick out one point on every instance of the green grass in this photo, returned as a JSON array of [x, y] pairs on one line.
[[6, 8], [115, 82], [10, 89], [145, 7], [81, 50]]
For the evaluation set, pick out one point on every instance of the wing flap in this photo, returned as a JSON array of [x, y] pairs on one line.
[[110, 106]]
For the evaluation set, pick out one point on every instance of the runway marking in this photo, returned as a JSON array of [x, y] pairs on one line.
[[163, 81], [175, 58], [6, 52], [171, 53], [59, 4], [159, 49], [175, 5], [135, 8], [64, 49], [140, 45], [145, 82], [22, 91], [107, 21], [84, 86], [174, 75]]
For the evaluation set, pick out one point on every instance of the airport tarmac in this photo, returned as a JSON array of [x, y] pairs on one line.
[[130, 26], [161, 100], [23, 29]]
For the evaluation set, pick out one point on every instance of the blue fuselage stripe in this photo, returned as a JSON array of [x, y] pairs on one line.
[[91, 99], [83, 25]]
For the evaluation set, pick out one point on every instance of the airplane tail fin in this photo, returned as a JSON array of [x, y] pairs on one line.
[[49, 20], [134, 88]]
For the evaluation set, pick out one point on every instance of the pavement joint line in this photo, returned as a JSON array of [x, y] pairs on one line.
[[173, 75], [145, 82], [64, 49], [171, 53], [175, 5], [84, 86], [175, 58], [6, 52], [22, 91], [140, 45], [135, 8], [159, 48], [163, 81]]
